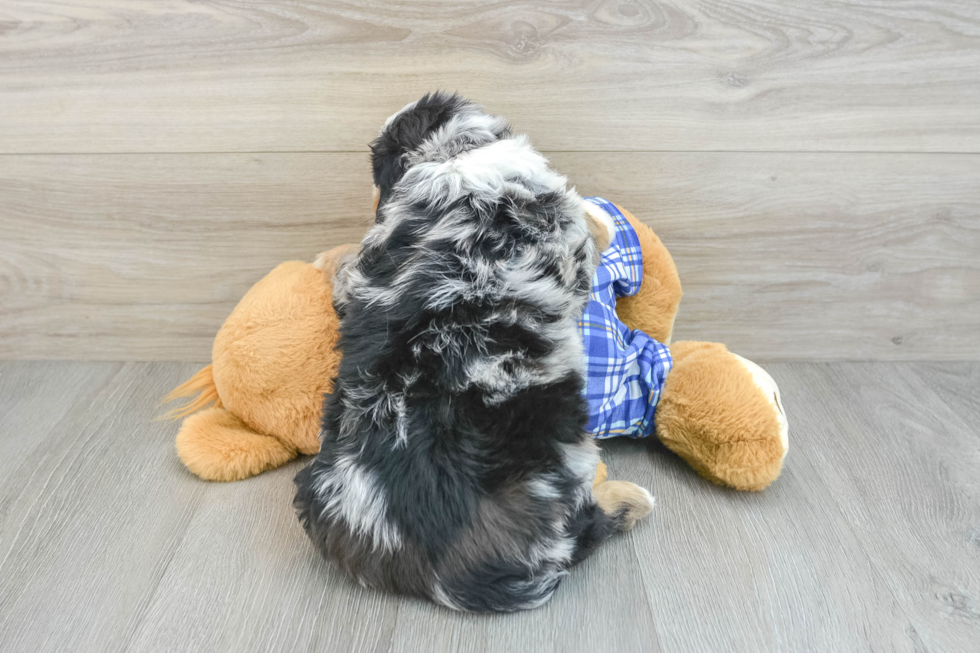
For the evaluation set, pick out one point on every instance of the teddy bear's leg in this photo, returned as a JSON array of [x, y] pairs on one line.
[[653, 308], [723, 415], [218, 446]]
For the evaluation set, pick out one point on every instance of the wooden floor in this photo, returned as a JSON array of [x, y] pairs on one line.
[[869, 541]]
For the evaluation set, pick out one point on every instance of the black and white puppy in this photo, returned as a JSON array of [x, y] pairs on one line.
[[453, 462]]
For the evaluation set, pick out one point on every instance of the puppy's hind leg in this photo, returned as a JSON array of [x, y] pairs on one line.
[[626, 503], [616, 507]]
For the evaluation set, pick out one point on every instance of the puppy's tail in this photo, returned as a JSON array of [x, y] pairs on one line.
[[499, 586], [201, 384], [507, 585]]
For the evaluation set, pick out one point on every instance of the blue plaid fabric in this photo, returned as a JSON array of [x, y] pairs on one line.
[[625, 369]]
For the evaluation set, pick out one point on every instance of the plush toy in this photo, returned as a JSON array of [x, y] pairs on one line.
[[275, 356]]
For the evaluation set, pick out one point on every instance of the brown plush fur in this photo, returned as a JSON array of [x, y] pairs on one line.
[[272, 366], [202, 385], [599, 232], [272, 361], [274, 358], [216, 445], [653, 309], [712, 415]]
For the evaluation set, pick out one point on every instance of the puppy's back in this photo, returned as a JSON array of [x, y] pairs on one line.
[[453, 462]]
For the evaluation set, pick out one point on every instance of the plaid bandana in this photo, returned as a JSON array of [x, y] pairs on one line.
[[625, 369]]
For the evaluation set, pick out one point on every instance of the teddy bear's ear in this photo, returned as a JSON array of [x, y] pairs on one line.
[[600, 228]]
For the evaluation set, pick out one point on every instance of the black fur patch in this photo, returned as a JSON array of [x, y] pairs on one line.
[[405, 134]]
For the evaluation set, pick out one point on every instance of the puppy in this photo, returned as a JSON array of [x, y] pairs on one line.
[[453, 462]]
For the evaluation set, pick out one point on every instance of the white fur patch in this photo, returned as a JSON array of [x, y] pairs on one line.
[[439, 596], [770, 391], [649, 497], [581, 460], [401, 421], [510, 164], [543, 489], [604, 218], [352, 493]]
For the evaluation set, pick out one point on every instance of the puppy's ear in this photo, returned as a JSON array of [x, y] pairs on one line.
[[405, 132]]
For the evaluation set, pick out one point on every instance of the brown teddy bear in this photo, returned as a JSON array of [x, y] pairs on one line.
[[275, 357]]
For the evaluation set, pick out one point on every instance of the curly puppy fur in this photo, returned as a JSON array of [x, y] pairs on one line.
[[453, 462]]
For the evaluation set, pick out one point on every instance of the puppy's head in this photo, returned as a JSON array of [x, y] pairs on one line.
[[437, 127]]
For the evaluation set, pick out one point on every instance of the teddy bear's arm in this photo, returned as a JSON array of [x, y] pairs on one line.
[[333, 263], [653, 308], [330, 260]]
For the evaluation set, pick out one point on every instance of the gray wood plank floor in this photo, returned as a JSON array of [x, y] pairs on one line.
[[869, 541]]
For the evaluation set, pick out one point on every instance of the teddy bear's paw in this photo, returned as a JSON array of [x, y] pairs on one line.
[[217, 446], [767, 386], [626, 502]]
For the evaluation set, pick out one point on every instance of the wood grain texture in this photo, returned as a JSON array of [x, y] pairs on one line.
[[94, 510], [782, 256], [811, 256], [143, 257], [869, 540], [955, 384], [900, 463], [321, 75]]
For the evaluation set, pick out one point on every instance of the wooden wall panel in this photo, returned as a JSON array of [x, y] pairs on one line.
[[812, 256], [801, 256], [321, 75], [142, 257]]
